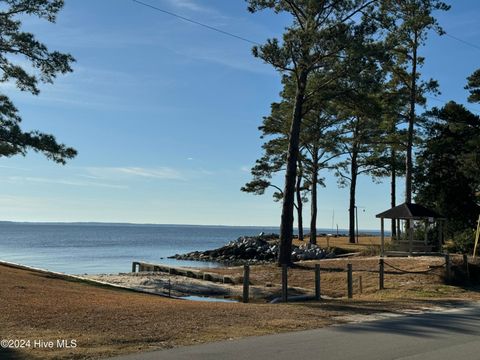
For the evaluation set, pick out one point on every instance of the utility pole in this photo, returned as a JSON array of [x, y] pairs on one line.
[[356, 217]]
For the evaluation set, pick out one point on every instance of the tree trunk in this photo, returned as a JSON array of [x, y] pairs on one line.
[[299, 204], [313, 219], [393, 188], [286, 226], [411, 124], [353, 188]]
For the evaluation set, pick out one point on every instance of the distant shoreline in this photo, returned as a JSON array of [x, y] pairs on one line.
[[105, 248], [341, 232]]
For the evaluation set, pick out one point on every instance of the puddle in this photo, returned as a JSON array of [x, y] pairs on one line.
[[205, 298]]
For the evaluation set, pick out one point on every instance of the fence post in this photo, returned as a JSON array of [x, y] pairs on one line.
[[349, 281], [448, 269], [381, 273], [284, 283], [246, 282], [169, 288], [317, 282], [465, 266], [134, 266], [360, 284]]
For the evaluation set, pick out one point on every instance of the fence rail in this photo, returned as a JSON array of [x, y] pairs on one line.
[[386, 270]]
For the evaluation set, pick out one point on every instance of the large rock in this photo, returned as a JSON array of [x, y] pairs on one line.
[[254, 249]]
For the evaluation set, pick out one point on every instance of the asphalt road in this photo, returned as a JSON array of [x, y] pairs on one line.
[[430, 336]]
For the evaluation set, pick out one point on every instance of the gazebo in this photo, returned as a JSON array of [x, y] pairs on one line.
[[406, 216]]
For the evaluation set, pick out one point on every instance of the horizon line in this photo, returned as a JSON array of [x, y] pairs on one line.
[[158, 224]]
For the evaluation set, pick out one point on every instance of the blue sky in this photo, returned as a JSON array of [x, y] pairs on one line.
[[164, 115]]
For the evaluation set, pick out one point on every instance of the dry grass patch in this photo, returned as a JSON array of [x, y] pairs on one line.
[[108, 321], [365, 243], [415, 277]]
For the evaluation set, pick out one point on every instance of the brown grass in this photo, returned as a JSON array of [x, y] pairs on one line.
[[424, 277], [105, 321], [342, 242]]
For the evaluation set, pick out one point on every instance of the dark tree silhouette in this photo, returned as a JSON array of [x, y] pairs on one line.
[[15, 46]]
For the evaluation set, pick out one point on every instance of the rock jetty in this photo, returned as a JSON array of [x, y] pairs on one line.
[[254, 249]]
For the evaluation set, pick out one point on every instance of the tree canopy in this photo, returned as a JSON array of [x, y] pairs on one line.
[[447, 177], [408, 24], [17, 47], [474, 86], [315, 41]]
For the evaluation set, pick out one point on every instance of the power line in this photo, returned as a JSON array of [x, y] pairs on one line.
[[463, 41], [251, 41], [196, 22], [256, 43]]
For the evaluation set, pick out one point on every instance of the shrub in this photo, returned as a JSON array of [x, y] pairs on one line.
[[461, 242]]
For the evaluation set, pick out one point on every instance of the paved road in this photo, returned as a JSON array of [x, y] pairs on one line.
[[432, 336]]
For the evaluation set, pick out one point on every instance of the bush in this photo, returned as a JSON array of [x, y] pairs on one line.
[[461, 242]]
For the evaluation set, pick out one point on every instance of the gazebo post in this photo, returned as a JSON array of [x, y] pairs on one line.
[[440, 235], [411, 225], [399, 230], [382, 227], [426, 233]]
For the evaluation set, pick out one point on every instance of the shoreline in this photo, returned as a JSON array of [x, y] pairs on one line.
[[60, 260], [342, 232], [108, 320], [71, 277]]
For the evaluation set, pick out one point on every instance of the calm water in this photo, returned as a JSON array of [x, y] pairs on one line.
[[110, 248]]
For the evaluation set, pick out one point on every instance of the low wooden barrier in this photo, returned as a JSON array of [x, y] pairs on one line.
[[139, 266]]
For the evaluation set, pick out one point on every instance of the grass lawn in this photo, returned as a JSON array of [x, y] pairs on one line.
[[106, 321]]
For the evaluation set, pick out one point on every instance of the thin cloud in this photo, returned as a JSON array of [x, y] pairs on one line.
[[194, 6], [189, 5], [89, 88], [68, 182], [242, 61], [205, 172], [81, 38], [13, 168], [161, 173], [21, 203]]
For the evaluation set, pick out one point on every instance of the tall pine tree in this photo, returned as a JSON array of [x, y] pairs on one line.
[[318, 36], [408, 23]]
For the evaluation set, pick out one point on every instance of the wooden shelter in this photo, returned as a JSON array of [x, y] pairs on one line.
[[415, 219]]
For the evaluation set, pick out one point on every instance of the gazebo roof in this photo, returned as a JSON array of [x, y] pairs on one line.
[[409, 211]]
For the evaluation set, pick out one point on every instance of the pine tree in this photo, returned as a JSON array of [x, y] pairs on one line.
[[17, 45], [360, 110], [317, 37], [474, 86], [318, 146], [408, 23], [448, 177]]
